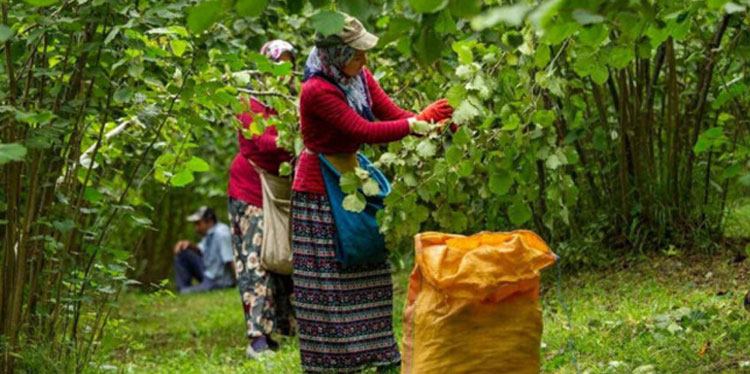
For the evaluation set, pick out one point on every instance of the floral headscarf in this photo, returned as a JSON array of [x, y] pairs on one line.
[[328, 62], [275, 48]]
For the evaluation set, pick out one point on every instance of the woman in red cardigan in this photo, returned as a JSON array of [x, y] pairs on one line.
[[265, 295], [344, 315]]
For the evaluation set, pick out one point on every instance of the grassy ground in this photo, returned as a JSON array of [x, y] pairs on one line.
[[664, 315]]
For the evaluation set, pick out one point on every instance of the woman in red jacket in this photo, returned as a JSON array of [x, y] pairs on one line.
[[344, 315], [265, 295]]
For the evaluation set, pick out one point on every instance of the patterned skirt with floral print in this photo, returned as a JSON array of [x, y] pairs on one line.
[[345, 315], [266, 296]]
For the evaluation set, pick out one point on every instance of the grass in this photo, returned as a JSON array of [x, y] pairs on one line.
[[666, 314]]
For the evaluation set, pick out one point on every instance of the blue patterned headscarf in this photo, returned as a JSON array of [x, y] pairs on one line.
[[328, 62]]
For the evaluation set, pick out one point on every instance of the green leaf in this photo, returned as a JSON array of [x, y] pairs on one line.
[[519, 213], [34, 117], [428, 46], [64, 226], [361, 173], [511, 123], [732, 171], [251, 8], [258, 127], [463, 50], [465, 112], [542, 56], [456, 95], [459, 222], [465, 8], [143, 221], [92, 194], [178, 47], [594, 35], [183, 178], [426, 149], [512, 15], [544, 117], [285, 169], [328, 22], [500, 182], [196, 164], [716, 4], [620, 56], [462, 136], [466, 168], [397, 28], [599, 73], [553, 162], [359, 9], [420, 127], [445, 24], [584, 17], [427, 6], [123, 95], [371, 187], [556, 32], [11, 152], [713, 137], [41, 2], [135, 70], [453, 155], [354, 202], [203, 15], [282, 69], [349, 182], [5, 33]]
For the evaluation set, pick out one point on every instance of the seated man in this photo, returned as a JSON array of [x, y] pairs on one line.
[[210, 262]]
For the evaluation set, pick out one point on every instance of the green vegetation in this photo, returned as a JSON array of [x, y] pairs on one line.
[[658, 314], [611, 128]]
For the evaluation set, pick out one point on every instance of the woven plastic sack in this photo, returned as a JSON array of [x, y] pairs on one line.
[[473, 304]]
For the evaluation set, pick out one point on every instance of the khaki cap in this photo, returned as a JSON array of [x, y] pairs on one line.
[[356, 36], [353, 34]]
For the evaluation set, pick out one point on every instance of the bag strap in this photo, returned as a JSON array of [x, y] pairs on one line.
[[262, 171]]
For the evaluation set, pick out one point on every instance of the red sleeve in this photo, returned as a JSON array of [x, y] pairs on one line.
[[382, 106], [328, 103]]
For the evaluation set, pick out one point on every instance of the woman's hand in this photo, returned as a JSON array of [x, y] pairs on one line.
[[436, 112]]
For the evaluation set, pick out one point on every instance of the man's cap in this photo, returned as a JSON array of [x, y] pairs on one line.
[[202, 213], [353, 34]]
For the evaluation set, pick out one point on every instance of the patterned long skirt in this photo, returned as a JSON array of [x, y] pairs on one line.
[[266, 296], [345, 316]]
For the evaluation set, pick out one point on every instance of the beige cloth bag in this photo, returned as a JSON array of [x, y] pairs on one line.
[[276, 249]]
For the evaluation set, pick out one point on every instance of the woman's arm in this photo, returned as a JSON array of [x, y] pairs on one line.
[[322, 100], [382, 106]]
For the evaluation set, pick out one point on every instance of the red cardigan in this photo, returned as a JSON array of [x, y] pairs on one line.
[[244, 181], [330, 126]]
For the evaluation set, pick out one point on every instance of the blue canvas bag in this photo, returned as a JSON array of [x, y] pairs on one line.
[[358, 239]]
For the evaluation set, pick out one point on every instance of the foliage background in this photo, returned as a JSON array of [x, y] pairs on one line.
[[607, 126]]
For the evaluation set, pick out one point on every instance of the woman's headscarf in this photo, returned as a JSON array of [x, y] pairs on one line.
[[328, 62], [275, 48]]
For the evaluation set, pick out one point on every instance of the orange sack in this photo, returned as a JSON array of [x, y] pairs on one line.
[[473, 304]]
